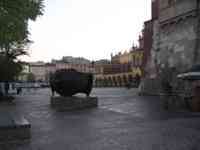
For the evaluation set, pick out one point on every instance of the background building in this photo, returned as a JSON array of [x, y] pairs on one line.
[[42, 70], [25, 72], [38, 69], [123, 67]]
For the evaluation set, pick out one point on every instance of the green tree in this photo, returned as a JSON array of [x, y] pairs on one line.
[[9, 69], [14, 40], [14, 17], [30, 77]]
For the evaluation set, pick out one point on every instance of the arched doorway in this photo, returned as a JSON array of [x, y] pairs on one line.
[[125, 81], [105, 84], [114, 81], [119, 80], [130, 78], [109, 81]]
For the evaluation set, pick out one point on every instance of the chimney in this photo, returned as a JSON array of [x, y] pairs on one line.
[[154, 9]]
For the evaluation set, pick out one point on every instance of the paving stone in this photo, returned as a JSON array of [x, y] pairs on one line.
[[122, 121]]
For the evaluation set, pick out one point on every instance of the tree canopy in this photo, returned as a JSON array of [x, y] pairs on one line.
[[14, 17], [9, 69], [31, 77]]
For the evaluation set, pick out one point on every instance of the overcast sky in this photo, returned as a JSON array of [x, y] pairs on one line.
[[87, 28]]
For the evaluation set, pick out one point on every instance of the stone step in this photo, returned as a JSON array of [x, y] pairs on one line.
[[13, 127], [73, 103]]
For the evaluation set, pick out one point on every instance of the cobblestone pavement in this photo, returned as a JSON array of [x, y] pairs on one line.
[[123, 121]]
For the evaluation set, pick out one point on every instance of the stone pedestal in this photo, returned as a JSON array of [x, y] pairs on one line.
[[13, 127], [73, 103]]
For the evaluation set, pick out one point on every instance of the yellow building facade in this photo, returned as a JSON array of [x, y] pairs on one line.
[[123, 69]]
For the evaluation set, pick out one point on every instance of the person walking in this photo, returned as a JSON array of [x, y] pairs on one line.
[[18, 88], [167, 89], [6, 86]]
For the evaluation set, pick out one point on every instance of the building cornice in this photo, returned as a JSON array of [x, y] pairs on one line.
[[176, 19]]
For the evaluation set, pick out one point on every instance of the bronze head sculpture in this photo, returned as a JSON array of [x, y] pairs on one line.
[[68, 82]]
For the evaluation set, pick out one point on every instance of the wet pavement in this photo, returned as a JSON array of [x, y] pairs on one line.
[[122, 121]]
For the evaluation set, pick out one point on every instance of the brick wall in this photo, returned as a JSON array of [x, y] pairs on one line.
[[177, 43], [168, 10]]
